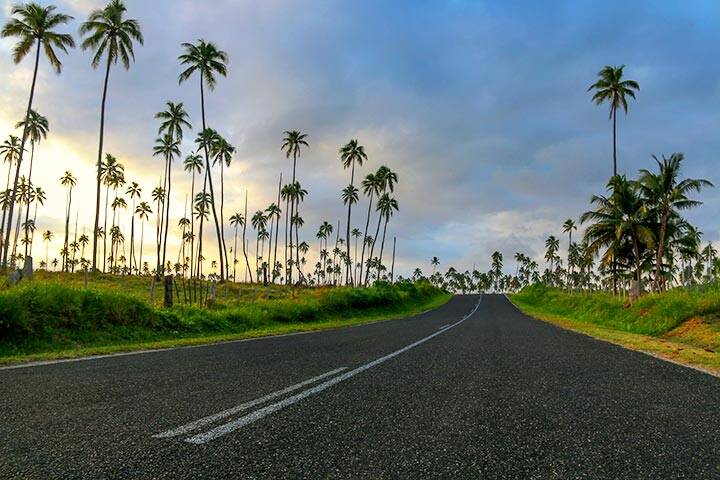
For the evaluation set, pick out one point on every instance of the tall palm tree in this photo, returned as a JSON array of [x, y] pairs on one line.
[[273, 214], [435, 261], [134, 191], [143, 212], [610, 87], [356, 233], [112, 174], [292, 145], [496, 268], [168, 147], [222, 153], [194, 164], [568, 228], [207, 60], [10, 150], [69, 181], [351, 154], [386, 206], [34, 26], [109, 35], [236, 220], [669, 194], [47, 237], [386, 180], [40, 198], [37, 130]]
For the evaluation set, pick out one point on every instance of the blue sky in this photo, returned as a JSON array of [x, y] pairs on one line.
[[481, 107]]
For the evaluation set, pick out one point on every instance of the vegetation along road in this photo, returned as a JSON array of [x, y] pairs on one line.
[[472, 389]]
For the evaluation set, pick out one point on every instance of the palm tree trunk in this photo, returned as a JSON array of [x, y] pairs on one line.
[[235, 255], [288, 275], [660, 249], [212, 192], [277, 228], [105, 230], [392, 265], [367, 224], [372, 248], [67, 230], [247, 261], [99, 166], [132, 238], [167, 211], [614, 141], [192, 222], [20, 157], [222, 214], [27, 209], [142, 238], [348, 273], [382, 246]]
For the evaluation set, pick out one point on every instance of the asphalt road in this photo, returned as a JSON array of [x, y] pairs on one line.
[[496, 395]]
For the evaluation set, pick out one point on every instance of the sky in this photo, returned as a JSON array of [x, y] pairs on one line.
[[481, 107]]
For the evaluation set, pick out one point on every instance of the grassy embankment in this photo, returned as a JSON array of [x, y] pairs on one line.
[[680, 325], [54, 316]]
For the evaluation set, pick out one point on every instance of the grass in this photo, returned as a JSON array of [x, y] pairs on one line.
[[679, 325], [54, 316]]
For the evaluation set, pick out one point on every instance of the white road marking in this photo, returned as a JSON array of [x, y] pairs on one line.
[[231, 411], [444, 327], [265, 411]]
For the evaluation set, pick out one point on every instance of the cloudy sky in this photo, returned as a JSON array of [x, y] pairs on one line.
[[481, 108]]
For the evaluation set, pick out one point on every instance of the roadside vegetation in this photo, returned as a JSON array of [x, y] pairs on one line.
[[60, 318]]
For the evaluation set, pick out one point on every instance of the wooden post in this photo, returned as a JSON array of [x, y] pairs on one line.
[[152, 290], [168, 298]]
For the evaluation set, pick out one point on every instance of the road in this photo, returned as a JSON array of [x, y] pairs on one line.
[[474, 389]]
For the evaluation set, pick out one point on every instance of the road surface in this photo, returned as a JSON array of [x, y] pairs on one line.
[[474, 389]]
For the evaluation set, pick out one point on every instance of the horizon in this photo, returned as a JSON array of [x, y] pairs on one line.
[[480, 108]]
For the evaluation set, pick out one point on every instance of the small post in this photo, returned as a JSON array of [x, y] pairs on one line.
[[168, 298]]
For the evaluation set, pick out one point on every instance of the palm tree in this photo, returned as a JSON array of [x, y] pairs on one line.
[[552, 244], [568, 228], [611, 88], [435, 262], [172, 120], [10, 150], [69, 181], [386, 180], [292, 146], [109, 34], [168, 147], [37, 130], [496, 268], [385, 207], [194, 164], [143, 212], [222, 153], [236, 220], [83, 241], [669, 194], [40, 198], [134, 191], [351, 154], [112, 174], [273, 214], [47, 236], [118, 202], [258, 221], [356, 233], [206, 59], [33, 24]]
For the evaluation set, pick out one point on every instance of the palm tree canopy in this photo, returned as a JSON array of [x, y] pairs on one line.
[[108, 32], [33, 23], [610, 87], [37, 126], [193, 162], [293, 142], [352, 153], [167, 147], [10, 149], [205, 58], [173, 119]]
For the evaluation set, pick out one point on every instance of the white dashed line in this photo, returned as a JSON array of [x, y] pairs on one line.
[[265, 411]]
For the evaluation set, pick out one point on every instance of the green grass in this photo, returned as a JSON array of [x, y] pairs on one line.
[[57, 317], [681, 325]]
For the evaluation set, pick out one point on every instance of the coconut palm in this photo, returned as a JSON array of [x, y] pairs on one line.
[[34, 26], [386, 205], [37, 130], [568, 228], [669, 194], [40, 198], [356, 233], [69, 181], [47, 237], [222, 153], [351, 154], [193, 164], [611, 88], [435, 261], [496, 265], [372, 185], [273, 214], [236, 220], [10, 151], [168, 146], [134, 191], [143, 212], [208, 61], [172, 120], [110, 36], [112, 174], [292, 146], [386, 180]]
